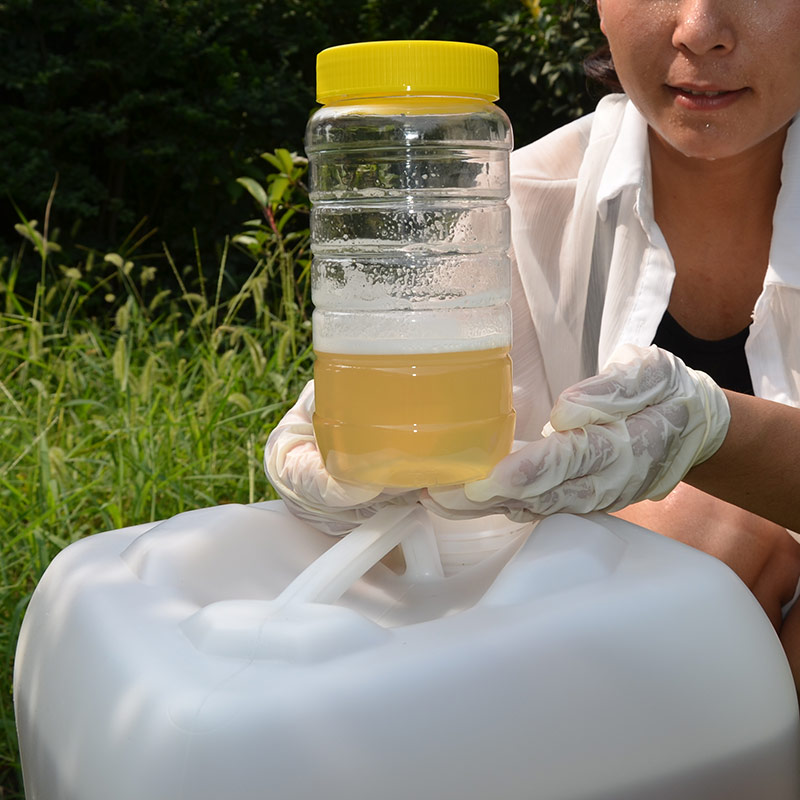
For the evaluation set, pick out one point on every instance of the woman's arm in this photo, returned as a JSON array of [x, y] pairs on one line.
[[757, 467]]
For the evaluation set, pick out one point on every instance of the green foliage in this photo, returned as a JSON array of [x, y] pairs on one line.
[[148, 109], [145, 112], [422, 19], [279, 242], [542, 46]]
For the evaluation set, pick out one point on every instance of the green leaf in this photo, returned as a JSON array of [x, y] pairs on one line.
[[272, 160], [284, 219], [255, 189], [247, 241], [277, 190], [285, 159]]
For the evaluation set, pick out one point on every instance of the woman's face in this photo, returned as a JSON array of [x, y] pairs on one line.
[[714, 78]]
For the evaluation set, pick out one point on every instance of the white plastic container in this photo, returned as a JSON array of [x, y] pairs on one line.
[[588, 660]]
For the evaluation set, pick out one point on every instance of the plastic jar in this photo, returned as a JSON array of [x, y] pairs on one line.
[[410, 227]]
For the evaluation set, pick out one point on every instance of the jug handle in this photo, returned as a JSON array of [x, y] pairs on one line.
[[328, 578]]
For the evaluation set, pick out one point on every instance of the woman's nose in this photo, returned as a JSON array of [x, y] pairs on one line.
[[704, 26]]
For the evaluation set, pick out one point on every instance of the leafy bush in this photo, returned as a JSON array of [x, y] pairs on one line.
[[542, 46], [148, 110]]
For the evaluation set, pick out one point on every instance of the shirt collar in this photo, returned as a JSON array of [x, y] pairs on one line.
[[628, 164], [784, 255]]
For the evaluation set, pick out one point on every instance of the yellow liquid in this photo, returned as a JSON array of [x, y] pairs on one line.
[[413, 420]]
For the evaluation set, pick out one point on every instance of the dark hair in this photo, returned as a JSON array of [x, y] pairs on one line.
[[599, 67]]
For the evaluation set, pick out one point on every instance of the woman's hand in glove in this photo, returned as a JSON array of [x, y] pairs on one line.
[[630, 433], [295, 468]]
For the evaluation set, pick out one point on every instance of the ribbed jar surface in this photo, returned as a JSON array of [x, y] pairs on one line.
[[411, 282]]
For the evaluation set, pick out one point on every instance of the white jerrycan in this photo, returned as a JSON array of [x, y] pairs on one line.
[[234, 653]]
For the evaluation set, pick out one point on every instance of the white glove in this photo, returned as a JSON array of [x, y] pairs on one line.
[[295, 468], [630, 433]]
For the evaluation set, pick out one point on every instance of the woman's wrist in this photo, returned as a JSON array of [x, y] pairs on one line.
[[757, 467]]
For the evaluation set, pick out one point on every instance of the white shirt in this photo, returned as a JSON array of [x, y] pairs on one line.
[[592, 269]]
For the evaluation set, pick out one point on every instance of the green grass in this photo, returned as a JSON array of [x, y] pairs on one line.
[[158, 408]]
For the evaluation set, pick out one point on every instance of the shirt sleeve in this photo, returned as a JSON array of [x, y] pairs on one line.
[[532, 397], [543, 180]]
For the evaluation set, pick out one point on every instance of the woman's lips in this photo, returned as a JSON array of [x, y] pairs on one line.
[[694, 98]]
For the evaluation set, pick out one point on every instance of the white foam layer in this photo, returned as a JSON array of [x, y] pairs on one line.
[[408, 346], [399, 332]]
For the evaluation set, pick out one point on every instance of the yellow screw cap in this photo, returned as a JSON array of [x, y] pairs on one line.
[[414, 67]]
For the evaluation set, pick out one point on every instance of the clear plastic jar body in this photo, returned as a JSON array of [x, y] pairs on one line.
[[411, 282]]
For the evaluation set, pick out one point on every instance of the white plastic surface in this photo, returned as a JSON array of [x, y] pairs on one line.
[[588, 660]]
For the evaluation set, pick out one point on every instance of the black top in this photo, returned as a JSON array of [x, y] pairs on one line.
[[722, 359]]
